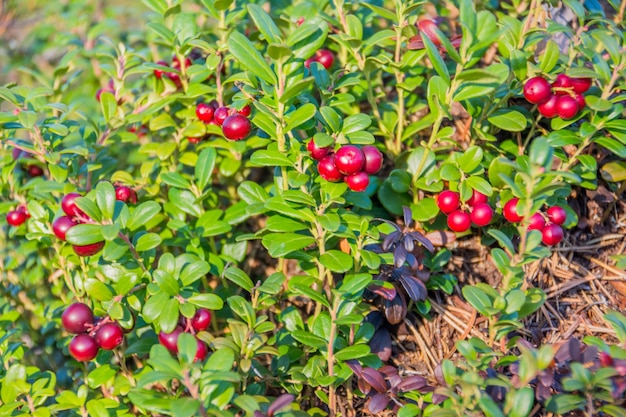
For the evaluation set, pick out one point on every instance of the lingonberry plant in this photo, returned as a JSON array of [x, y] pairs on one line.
[[226, 208]]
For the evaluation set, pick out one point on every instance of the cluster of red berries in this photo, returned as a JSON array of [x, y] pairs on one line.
[[459, 220], [75, 216], [18, 216], [235, 123], [551, 230], [564, 98], [92, 333], [199, 322], [323, 56], [175, 78], [352, 164]]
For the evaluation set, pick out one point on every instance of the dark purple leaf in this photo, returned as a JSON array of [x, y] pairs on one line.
[[546, 377], [412, 383], [542, 392], [375, 379], [259, 414], [415, 289], [375, 247], [496, 392], [423, 240], [355, 366], [380, 344], [441, 238], [374, 318], [409, 244], [378, 403], [590, 355], [364, 387], [408, 216], [412, 261], [388, 370], [390, 240], [422, 274], [395, 310], [389, 222], [388, 293], [439, 375], [280, 402], [399, 256], [439, 398]]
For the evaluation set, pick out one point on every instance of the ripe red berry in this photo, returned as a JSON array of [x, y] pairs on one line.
[[427, 27], [204, 112], [562, 81], [537, 90], [349, 159], [88, 250], [220, 114], [236, 127], [16, 217], [159, 73], [448, 201], [176, 62], [77, 318], [245, 110], [566, 107], [34, 171], [373, 159], [325, 57], [477, 197], [170, 340], [195, 140], [548, 109], [358, 181], [581, 84], [328, 170], [83, 348], [557, 215], [509, 211], [109, 336], [201, 320], [459, 221], [315, 151], [61, 225], [124, 193], [580, 99], [552, 234], [300, 21], [201, 352], [68, 204], [537, 222], [481, 214], [605, 359], [175, 78]]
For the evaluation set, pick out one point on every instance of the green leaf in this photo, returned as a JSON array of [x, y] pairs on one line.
[[480, 184], [352, 352], [479, 300], [265, 24], [267, 158], [239, 277], [252, 193], [84, 234], [148, 241], [281, 244], [302, 115], [108, 104], [169, 316], [98, 290], [247, 55], [471, 159], [436, 59], [563, 403], [194, 271], [187, 347], [337, 261], [550, 57], [509, 120], [204, 167], [309, 339], [207, 300], [353, 284], [174, 179], [143, 214], [355, 123], [89, 208], [105, 196]]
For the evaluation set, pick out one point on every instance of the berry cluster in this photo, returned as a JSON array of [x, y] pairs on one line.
[[235, 123], [564, 98], [199, 322], [18, 216], [352, 164], [175, 78], [92, 333], [323, 56], [459, 220], [551, 230]]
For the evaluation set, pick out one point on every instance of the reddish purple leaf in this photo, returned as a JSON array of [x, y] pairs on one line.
[[381, 344], [377, 403], [375, 379], [412, 383], [280, 402]]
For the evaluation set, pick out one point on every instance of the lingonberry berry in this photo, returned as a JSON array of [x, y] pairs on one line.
[[109, 336], [77, 318], [427, 27], [537, 222], [220, 114], [548, 109], [581, 85], [562, 81], [124, 193], [481, 214], [204, 112], [176, 62], [201, 320], [328, 170], [373, 159], [567, 107], [509, 211], [537, 90], [170, 340], [236, 127], [68, 204], [201, 352], [477, 197], [448, 201], [61, 225], [349, 159], [16, 217], [459, 221], [34, 171], [552, 234], [195, 140], [159, 73], [358, 181], [315, 151], [88, 250], [580, 99], [557, 215], [83, 348], [325, 57], [245, 110]]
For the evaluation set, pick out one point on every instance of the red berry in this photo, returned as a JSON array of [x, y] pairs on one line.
[[204, 112], [308, 62], [245, 110], [567, 107], [605, 359], [509, 211], [195, 140], [481, 214], [373, 159], [537, 90], [109, 336], [328, 170], [325, 57], [124, 193], [61, 225], [357, 182], [548, 109], [170, 340], [477, 197], [562, 81], [580, 99], [315, 151], [201, 320], [300, 21], [537, 222], [176, 62], [201, 351], [459, 221], [349, 159], [557, 215], [552, 234], [83, 348], [175, 78], [220, 114], [16, 217], [448, 201], [88, 250], [236, 127], [68, 204], [34, 171], [581, 84], [159, 73], [77, 318], [428, 26]]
